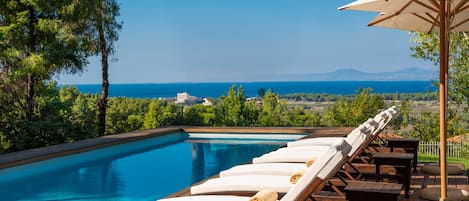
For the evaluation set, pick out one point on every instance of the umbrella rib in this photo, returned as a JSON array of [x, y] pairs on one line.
[[436, 4], [426, 6], [423, 18], [461, 23], [390, 16], [404, 7], [381, 20], [435, 20], [435, 23], [460, 8], [464, 8]]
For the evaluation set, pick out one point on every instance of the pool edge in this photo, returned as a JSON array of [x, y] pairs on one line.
[[39, 154], [34, 155]]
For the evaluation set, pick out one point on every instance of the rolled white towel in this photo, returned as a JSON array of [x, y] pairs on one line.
[[295, 177], [264, 196]]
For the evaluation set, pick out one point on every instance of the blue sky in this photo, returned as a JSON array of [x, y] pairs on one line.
[[233, 40]]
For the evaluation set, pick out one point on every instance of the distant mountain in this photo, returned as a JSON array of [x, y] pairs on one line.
[[349, 74]]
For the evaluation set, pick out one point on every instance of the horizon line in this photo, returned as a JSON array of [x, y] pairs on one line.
[[235, 82]]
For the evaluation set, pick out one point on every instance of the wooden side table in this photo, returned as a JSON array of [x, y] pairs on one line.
[[411, 145], [363, 190], [395, 159]]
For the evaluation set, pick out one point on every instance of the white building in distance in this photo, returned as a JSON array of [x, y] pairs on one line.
[[188, 100], [185, 99], [207, 102]]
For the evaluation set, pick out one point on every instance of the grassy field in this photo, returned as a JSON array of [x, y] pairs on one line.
[[428, 158], [417, 106]]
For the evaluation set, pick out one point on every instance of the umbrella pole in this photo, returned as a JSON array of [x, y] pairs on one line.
[[444, 62]]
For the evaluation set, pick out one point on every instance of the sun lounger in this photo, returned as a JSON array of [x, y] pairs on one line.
[[302, 154], [297, 152], [298, 191], [259, 196], [290, 159], [366, 128], [325, 163], [264, 168], [361, 169], [209, 198]]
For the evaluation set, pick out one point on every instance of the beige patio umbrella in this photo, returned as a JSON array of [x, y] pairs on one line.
[[442, 16]]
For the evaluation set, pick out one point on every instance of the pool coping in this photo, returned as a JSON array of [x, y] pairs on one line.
[[38, 154], [33, 155]]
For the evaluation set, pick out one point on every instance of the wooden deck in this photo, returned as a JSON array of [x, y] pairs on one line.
[[421, 181]]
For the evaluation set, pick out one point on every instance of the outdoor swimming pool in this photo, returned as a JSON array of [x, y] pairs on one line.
[[142, 170]]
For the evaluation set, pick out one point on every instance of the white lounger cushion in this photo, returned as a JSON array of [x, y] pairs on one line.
[[324, 141], [288, 157], [366, 128], [319, 147], [208, 198], [380, 118], [300, 154], [287, 150], [356, 138], [285, 169], [277, 183]]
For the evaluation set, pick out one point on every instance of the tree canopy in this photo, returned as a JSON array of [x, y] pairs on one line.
[[426, 47]]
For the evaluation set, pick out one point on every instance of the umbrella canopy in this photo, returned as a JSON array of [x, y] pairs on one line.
[[421, 23], [442, 16], [415, 15], [403, 6]]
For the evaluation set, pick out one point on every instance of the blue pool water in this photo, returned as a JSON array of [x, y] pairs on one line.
[[142, 170]]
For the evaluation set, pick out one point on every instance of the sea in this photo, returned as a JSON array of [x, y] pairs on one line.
[[218, 89]]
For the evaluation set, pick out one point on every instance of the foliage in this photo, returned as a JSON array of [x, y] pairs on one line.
[[273, 111], [63, 115], [37, 40], [199, 115], [426, 127], [426, 47], [300, 118], [402, 120], [429, 96], [229, 112], [163, 113], [125, 114], [66, 115], [172, 115], [353, 111], [151, 120]]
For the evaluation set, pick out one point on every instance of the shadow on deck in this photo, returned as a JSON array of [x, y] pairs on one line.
[[421, 181]]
